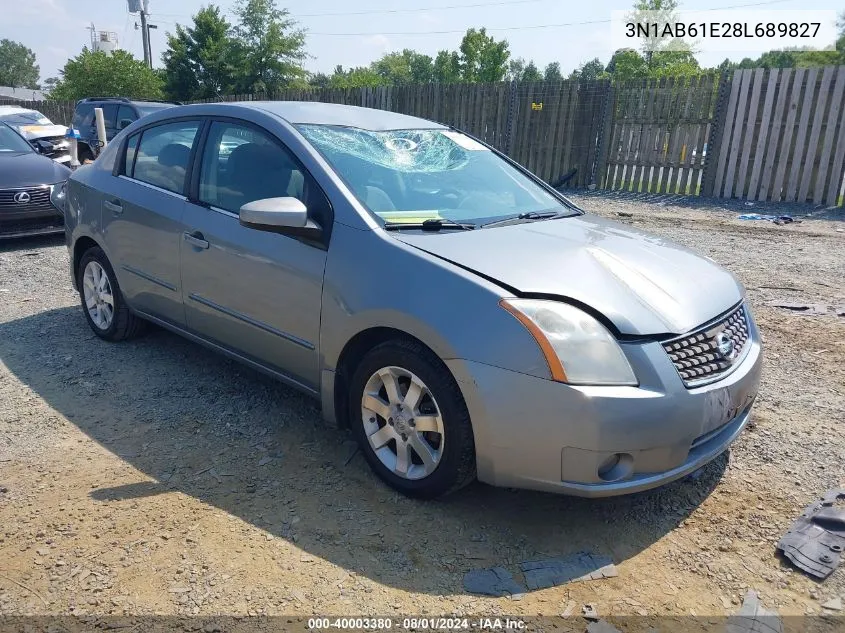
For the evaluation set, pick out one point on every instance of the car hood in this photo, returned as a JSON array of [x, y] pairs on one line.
[[32, 132], [30, 170], [642, 283]]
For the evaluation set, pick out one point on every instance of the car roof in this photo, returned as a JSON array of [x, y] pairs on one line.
[[316, 113]]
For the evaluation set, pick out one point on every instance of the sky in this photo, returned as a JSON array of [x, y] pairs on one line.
[[57, 29]]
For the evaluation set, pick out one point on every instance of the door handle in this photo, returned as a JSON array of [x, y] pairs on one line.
[[195, 239], [114, 206]]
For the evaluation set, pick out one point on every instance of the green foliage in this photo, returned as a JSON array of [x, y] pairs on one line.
[[17, 65], [361, 77], [515, 69], [97, 74], [531, 73], [552, 72], [589, 71], [405, 68], [199, 61], [267, 50], [447, 67], [482, 57], [627, 64]]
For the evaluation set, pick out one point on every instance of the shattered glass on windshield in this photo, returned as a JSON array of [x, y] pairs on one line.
[[400, 150]]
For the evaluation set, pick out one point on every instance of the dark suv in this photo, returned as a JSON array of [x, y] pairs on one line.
[[119, 112]]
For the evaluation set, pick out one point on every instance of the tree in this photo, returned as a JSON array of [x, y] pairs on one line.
[[199, 61], [552, 72], [674, 63], [447, 67], [515, 69], [361, 77], [483, 58], [661, 12], [405, 67], [319, 80], [627, 64], [17, 66], [531, 72], [268, 49], [98, 74], [588, 71]]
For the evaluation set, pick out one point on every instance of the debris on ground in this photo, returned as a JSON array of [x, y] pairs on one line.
[[814, 542], [777, 219], [589, 612], [814, 309], [541, 574], [496, 581], [753, 618], [834, 604]]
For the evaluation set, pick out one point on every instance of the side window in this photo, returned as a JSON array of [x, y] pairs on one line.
[[125, 116], [241, 164], [84, 117], [163, 154], [131, 151], [109, 114]]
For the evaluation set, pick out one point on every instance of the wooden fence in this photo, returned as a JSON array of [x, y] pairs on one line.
[[756, 134], [783, 136]]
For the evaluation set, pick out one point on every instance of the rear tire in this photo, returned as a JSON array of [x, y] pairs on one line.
[[102, 302], [410, 420]]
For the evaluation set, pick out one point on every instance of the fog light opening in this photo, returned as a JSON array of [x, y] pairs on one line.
[[615, 467]]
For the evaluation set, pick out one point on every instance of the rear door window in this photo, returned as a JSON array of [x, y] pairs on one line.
[[124, 114], [163, 154]]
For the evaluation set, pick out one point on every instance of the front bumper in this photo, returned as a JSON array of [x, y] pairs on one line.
[[539, 434], [37, 216]]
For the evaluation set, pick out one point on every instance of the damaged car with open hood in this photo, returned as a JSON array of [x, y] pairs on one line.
[[46, 137], [459, 316]]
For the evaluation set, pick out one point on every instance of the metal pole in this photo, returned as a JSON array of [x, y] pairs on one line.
[[145, 37]]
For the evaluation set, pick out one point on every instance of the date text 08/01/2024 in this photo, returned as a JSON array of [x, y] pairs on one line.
[[416, 623], [721, 29]]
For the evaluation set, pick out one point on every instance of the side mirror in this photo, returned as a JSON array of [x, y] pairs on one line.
[[280, 215], [124, 123]]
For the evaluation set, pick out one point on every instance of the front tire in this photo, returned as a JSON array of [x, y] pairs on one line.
[[410, 420], [102, 302]]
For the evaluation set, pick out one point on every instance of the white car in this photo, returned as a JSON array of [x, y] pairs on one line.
[[49, 139]]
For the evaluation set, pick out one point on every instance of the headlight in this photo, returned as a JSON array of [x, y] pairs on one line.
[[58, 195], [578, 349]]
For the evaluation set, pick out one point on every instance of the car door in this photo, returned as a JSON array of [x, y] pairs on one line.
[[142, 217], [255, 292]]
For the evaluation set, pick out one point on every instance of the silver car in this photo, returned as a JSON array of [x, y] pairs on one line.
[[460, 317]]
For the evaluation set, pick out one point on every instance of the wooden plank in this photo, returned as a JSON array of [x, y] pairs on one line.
[[778, 185], [765, 131], [751, 131], [775, 133], [819, 116], [836, 105], [565, 141], [677, 132], [724, 145], [638, 159], [736, 138], [836, 171], [799, 150]]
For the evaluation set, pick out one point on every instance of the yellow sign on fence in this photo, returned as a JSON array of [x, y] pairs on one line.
[[537, 106]]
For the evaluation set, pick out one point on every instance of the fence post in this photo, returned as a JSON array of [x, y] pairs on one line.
[[605, 134], [714, 141], [511, 120]]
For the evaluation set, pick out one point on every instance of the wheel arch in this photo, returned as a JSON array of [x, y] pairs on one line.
[[83, 244], [351, 354]]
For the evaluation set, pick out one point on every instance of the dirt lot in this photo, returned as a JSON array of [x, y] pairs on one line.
[[156, 477]]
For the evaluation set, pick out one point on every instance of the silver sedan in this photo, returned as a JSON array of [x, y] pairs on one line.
[[460, 317]]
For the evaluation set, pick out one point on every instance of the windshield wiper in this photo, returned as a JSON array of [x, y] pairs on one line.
[[433, 224], [529, 215]]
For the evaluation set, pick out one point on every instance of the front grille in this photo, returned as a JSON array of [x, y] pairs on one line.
[[701, 356], [39, 200]]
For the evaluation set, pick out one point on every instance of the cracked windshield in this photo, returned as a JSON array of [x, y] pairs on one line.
[[409, 176]]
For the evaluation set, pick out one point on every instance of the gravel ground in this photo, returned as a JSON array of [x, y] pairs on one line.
[[154, 477]]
